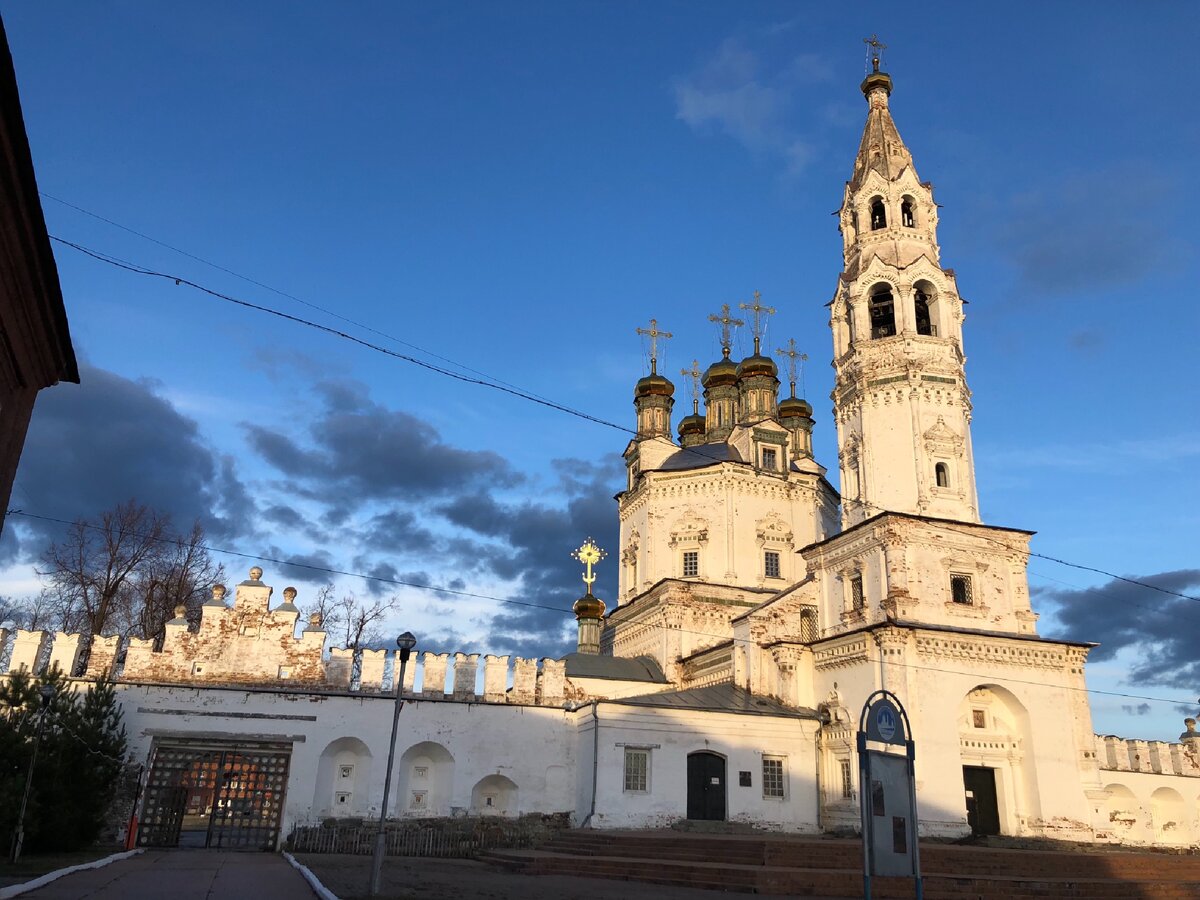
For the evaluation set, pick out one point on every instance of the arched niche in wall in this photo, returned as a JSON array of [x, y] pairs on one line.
[[343, 780], [494, 795], [425, 780], [995, 736]]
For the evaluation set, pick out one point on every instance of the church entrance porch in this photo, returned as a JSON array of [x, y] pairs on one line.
[[204, 795], [706, 786], [983, 809]]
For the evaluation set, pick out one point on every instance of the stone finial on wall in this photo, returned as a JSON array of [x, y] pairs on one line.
[[524, 680], [289, 600], [1190, 738], [218, 596]]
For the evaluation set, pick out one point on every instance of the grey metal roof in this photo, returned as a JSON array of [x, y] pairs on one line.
[[618, 668], [720, 698], [699, 456]]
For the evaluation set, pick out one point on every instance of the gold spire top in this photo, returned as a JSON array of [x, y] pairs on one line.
[[727, 323], [875, 50], [694, 373], [758, 311], [589, 554], [793, 357], [654, 334]]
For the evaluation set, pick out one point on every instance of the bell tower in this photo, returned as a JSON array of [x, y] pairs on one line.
[[901, 402]]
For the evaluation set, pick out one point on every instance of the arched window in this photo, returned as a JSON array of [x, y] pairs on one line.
[[942, 473], [854, 220], [906, 214], [850, 322], [921, 308], [883, 313], [878, 215]]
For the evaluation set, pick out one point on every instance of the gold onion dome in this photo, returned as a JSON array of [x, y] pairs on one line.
[[589, 607], [794, 407], [723, 371], [757, 365], [654, 384], [693, 424]]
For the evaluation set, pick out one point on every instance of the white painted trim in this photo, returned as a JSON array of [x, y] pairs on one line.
[[15, 890], [314, 882]]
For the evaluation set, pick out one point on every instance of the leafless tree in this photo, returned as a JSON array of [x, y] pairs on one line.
[[361, 621], [90, 571], [180, 573], [327, 606]]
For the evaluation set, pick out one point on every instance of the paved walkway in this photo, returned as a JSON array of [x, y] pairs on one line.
[[183, 875]]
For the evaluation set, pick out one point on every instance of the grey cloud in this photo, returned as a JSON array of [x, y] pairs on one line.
[[94, 445], [1141, 709], [358, 450], [1097, 230], [1160, 628], [531, 543]]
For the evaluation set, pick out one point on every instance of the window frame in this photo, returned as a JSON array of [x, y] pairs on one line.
[[632, 753], [774, 786], [773, 465], [847, 772], [962, 578], [694, 556], [770, 556]]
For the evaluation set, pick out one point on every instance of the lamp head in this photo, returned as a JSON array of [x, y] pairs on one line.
[[47, 691], [406, 641]]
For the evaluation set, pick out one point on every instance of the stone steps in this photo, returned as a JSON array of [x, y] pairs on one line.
[[805, 867]]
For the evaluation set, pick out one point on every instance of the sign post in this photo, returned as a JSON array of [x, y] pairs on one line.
[[887, 792]]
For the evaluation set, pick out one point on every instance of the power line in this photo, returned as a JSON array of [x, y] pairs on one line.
[[510, 601], [274, 290], [516, 392]]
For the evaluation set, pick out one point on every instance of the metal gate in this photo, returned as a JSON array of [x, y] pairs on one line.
[[214, 796]]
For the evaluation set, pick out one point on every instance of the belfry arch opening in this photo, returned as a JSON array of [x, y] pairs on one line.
[[907, 213], [923, 309], [878, 214], [883, 311], [942, 473]]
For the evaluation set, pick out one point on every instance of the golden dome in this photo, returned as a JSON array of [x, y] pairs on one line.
[[757, 365], [588, 607], [653, 384], [795, 407], [723, 371], [693, 424]]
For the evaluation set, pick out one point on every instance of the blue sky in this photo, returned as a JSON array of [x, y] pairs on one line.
[[517, 187]]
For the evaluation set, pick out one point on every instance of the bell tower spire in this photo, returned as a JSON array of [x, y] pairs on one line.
[[901, 400]]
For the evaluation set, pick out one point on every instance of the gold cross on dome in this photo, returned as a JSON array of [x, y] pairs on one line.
[[726, 322], [875, 49], [793, 355], [694, 373], [654, 334], [758, 311], [589, 554]]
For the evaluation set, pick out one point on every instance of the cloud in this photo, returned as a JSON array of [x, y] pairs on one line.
[[1158, 629], [1141, 709], [358, 450], [530, 543], [733, 94], [1094, 231], [109, 439]]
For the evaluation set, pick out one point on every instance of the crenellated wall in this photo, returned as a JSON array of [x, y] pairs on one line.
[[1116, 754], [250, 643]]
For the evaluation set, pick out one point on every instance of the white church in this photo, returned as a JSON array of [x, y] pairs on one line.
[[757, 610]]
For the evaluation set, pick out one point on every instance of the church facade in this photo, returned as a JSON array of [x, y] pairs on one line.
[[757, 609]]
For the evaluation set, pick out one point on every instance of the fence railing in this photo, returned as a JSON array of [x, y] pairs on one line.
[[442, 838]]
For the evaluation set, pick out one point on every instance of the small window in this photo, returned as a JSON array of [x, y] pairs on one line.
[[769, 457], [906, 214], [942, 471], [637, 770], [343, 798], [772, 777], [883, 314], [960, 589], [418, 800], [856, 593], [691, 563], [771, 563], [878, 215], [847, 779], [347, 771], [978, 718]]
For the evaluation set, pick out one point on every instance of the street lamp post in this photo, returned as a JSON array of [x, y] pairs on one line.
[[405, 643], [47, 694]]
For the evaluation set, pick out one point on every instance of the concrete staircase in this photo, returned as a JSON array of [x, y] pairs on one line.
[[812, 867]]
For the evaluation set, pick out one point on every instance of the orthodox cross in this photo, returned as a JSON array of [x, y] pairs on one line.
[[654, 334], [758, 311], [875, 50], [793, 356], [725, 321], [694, 374], [589, 554]]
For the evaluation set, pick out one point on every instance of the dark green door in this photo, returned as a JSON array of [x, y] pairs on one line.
[[706, 786], [983, 812]]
